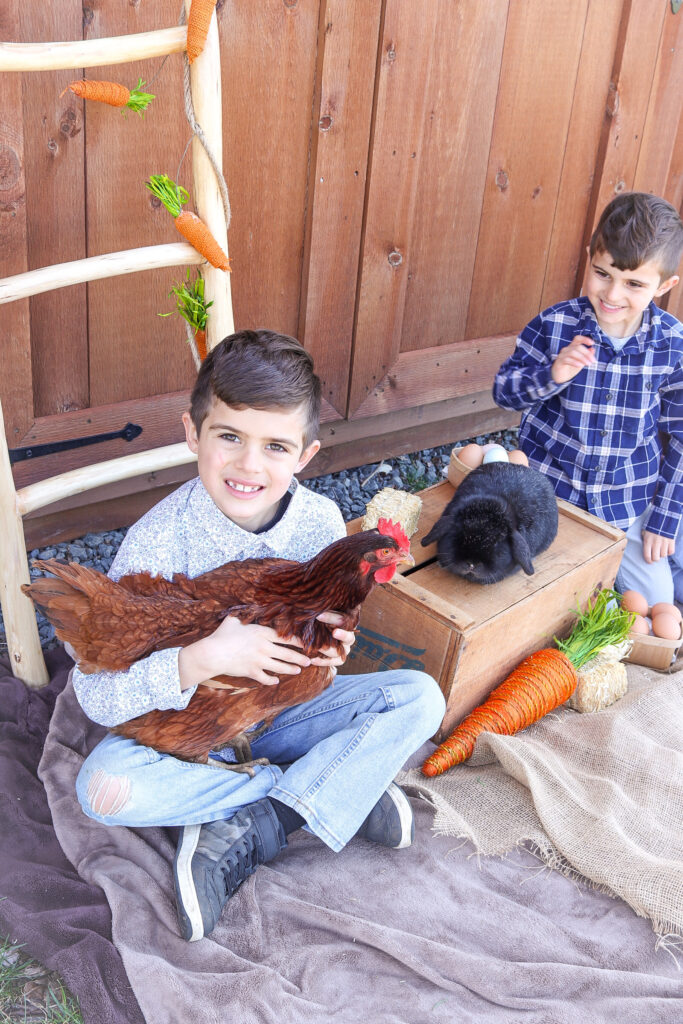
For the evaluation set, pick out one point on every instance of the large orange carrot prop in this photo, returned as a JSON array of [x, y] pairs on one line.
[[540, 684], [198, 22], [188, 224], [113, 93]]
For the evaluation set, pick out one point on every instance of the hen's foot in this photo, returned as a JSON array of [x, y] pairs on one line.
[[241, 766]]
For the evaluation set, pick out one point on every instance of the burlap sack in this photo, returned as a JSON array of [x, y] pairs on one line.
[[598, 796]]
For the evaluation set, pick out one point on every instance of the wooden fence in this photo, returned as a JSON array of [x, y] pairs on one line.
[[410, 182]]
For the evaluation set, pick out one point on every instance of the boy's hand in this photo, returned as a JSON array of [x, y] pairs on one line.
[[329, 656], [235, 649], [656, 547], [572, 359]]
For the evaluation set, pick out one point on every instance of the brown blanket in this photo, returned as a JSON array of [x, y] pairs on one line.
[[369, 934]]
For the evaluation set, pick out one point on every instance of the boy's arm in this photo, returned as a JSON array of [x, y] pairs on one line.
[[534, 373], [665, 511]]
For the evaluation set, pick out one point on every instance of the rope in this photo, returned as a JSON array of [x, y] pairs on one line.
[[198, 131]]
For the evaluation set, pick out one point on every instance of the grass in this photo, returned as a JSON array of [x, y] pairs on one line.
[[30, 994]]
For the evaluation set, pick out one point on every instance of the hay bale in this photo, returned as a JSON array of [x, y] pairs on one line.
[[602, 680], [399, 506]]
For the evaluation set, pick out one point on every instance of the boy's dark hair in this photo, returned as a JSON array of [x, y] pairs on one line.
[[636, 227], [258, 370]]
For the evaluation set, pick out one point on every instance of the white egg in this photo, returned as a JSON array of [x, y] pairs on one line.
[[496, 454]]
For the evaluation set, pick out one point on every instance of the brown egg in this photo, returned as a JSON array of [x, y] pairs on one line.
[[471, 455], [666, 626], [518, 457], [640, 625], [667, 609], [632, 601]]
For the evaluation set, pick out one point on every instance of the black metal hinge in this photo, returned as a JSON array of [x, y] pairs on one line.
[[128, 433]]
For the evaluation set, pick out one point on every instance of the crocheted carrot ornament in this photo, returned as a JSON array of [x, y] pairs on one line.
[[113, 93], [198, 22], [188, 224], [540, 684]]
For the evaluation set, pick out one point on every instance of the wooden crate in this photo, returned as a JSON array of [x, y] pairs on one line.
[[470, 636]]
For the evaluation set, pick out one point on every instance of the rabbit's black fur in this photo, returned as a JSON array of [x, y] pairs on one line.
[[500, 517]]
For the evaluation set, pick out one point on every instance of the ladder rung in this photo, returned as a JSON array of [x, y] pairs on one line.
[[95, 268], [92, 53]]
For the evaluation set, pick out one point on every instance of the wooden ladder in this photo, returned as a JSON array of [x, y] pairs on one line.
[[23, 641]]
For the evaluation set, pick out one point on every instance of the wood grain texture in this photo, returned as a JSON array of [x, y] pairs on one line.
[[400, 109], [636, 54], [537, 83], [16, 385], [570, 229], [268, 75], [347, 44], [664, 114], [55, 184], [453, 160]]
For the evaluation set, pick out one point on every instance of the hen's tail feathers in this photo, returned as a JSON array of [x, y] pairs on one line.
[[108, 626]]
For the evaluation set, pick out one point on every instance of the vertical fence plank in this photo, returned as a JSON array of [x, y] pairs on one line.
[[454, 158], [54, 146], [402, 90], [268, 71], [583, 140], [630, 86], [664, 111], [16, 387], [347, 51], [538, 75]]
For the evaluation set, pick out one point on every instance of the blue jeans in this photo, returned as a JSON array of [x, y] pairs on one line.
[[342, 750], [657, 581]]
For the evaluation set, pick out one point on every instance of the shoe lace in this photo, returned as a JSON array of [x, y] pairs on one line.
[[241, 861]]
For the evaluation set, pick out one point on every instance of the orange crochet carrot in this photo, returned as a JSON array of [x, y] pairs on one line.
[[200, 341], [188, 224], [198, 22], [113, 93], [540, 684]]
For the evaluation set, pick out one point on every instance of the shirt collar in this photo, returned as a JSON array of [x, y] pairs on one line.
[[224, 532], [648, 332]]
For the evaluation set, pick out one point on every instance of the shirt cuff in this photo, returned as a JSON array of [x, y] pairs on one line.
[[663, 523], [542, 385]]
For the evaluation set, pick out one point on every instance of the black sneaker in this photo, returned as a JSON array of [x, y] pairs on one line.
[[213, 860], [390, 822]]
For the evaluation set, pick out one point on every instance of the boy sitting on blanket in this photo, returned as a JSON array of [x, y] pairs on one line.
[[600, 379], [253, 423]]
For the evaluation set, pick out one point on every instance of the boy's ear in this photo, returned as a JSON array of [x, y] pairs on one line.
[[667, 285], [306, 455], [190, 433]]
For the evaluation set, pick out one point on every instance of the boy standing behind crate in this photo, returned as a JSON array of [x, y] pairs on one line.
[[600, 380]]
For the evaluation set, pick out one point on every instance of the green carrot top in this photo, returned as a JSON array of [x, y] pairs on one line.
[[603, 623], [171, 195]]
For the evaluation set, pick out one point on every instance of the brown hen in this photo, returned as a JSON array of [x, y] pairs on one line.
[[111, 624]]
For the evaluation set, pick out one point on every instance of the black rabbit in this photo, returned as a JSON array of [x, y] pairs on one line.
[[500, 517]]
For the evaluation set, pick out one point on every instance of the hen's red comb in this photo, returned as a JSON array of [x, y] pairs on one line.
[[395, 530]]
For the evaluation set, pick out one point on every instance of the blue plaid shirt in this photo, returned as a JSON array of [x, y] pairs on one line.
[[597, 437]]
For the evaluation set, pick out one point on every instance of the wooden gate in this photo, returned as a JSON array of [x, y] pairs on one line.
[[410, 182]]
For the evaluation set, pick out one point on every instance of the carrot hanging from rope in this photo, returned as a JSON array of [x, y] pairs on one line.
[[113, 93], [539, 684], [198, 22], [188, 224], [193, 308]]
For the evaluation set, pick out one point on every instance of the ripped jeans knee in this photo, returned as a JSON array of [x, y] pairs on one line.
[[104, 795]]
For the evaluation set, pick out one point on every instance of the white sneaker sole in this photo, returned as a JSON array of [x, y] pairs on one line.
[[405, 813], [183, 873]]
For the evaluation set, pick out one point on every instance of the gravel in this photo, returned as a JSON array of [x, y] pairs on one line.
[[351, 489]]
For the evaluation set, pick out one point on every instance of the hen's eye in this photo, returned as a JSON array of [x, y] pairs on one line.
[[385, 551]]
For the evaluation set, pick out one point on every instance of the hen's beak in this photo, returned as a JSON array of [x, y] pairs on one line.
[[406, 558]]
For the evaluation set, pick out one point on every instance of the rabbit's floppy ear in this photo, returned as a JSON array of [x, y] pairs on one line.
[[521, 552], [438, 530]]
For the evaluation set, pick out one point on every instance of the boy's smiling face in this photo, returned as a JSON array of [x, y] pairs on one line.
[[619, 297], [247, 458]]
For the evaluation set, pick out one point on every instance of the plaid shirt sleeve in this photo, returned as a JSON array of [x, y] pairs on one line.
[[525, 377], [665, 512]]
